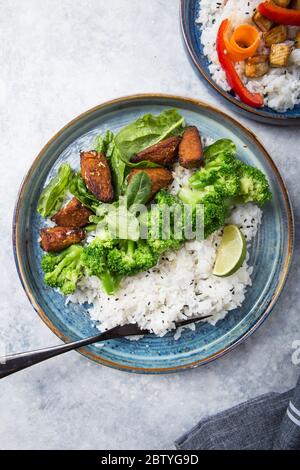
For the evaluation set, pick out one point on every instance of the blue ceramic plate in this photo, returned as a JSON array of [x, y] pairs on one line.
[[270, 254], [191, 33]]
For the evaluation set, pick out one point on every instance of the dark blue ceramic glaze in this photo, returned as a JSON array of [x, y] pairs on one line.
[[189, 13], [270, 252]]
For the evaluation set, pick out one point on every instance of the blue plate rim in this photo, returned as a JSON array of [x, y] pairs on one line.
[[256, 114], [121, 101]]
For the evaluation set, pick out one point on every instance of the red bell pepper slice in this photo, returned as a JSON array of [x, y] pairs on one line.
[[279, 14], [252, 99]]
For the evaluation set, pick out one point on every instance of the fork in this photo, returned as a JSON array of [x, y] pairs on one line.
[[16, 362]]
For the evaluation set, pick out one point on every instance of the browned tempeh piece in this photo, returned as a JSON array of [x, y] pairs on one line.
[[190, 149], [73, 215], [163, 153], [97, 175], [58, 238], [160, 178]]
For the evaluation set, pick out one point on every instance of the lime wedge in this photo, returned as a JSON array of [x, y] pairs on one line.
[[231, 252]]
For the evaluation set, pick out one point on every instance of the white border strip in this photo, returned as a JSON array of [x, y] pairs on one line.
[[294, 409], [292, 418]]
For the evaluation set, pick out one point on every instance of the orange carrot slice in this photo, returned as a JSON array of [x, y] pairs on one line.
[[243, 43]]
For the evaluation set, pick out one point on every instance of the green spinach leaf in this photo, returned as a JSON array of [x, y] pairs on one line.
[[106, 144], [138, 190], [102, 142], [52, 196], [78, 188], [146, 131]]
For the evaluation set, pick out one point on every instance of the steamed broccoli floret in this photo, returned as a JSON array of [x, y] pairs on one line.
[[64, 270], [209, 194], [215, 209], [225, 180], [219, 155], [94, 256], [214, 217], [50, 260], [167, 237], [95, 260], [131, 258], [254, 185], [159, 246], [220, 152], [165, 198], [228, 182], [220, 161]]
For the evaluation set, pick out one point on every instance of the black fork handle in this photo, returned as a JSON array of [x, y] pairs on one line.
[[16, 362]]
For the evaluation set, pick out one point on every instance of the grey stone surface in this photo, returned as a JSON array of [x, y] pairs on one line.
[[59, 58]]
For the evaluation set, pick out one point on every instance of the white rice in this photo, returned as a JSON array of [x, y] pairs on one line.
[[181, 285], [280, 87]]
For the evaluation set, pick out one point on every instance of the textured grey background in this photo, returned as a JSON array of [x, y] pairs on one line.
[[58, 58]]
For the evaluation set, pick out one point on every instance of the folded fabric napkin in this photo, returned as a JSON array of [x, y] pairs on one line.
[[271, 421]]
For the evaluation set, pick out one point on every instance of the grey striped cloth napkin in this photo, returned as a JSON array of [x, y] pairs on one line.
[[271, 421]]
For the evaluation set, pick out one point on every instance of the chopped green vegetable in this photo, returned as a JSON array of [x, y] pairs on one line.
[[78, 188], [106, 144], [102, 142], [126, 243], [218, 149], [254, 185], [214, 217], [118, 220], [138, 190], [223, 181], [209, 194], [117, 168], [146, 131], [215, 209], [52, 196], [121, 223], [63, 270], [163, 238], [90, 228], [95, 261], [131, 257]]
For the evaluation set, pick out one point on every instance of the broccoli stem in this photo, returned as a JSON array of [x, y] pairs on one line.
[[233, 201], [110, 283], [90, 227], [130, 247]]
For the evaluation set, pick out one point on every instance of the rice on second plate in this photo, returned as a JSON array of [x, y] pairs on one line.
[[280, 87], [181, 285]]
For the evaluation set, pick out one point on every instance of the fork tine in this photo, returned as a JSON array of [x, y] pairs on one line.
[[133, 329], [191, 320]]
